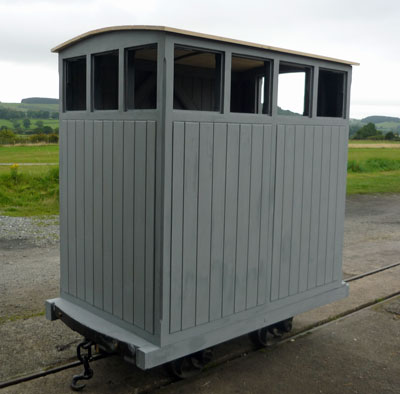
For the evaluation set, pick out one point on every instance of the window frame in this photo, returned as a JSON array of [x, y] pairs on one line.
[[65, 82], [125, 76], [268, 88], [308, 88], [92, 80], [221, 77], [344, 101]]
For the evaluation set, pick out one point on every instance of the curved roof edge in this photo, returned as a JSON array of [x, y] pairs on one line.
[[95, 32]]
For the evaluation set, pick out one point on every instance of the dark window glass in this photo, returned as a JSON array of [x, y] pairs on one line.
[[197, 79], [331, 90], [250, 85], [141, 78], [105, 81], [294, 90], [75, 84]]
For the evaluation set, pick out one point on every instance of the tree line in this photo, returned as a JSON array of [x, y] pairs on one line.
[[370, 132], [11, 114]]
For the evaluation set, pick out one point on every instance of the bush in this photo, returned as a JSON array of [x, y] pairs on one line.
[[53, 138], [38, 138]]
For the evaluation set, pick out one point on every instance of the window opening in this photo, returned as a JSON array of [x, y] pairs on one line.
[[250, 85], [197, 79], [331, 93], [75, 84], [141, 78], [294, 90], [105, 81]]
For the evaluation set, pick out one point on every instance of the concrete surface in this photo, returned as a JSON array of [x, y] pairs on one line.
[[30, 275], [356, 354]]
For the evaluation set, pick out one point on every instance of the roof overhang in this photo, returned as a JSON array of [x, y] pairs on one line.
[[103, 30]]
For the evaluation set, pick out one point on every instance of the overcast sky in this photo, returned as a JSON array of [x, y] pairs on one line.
[[365, 31]]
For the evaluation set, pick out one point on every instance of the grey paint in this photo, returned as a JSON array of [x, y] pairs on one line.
[[187, 228]]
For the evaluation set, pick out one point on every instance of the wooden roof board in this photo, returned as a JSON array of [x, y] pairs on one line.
[[103, 30]]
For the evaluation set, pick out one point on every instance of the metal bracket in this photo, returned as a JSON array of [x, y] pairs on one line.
[[84, 359]]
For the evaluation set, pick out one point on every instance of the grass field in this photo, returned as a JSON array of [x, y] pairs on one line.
[[29, 154], [34, 189], [23, 194]]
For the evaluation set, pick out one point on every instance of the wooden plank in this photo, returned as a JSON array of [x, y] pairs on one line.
[[278, 212], [204, 223], [88, 236], [286, 241], [218, 219], [267, 212], [333, 172], [64, 264], [297, 210], [324, 203], [340, 202], [150, 216], [139, 249], [178, 156], [107, 216], [71, 187], [80, 209], [306, 207], [128, 219], [254, 215], [190, 200], [117, 217], [315, 204], [98, 213], [242, 241], [231, 207]]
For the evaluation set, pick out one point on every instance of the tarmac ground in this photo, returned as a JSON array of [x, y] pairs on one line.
[[357, 353]]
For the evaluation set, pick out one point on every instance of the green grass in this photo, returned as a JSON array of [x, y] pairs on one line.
[[24, 194], [373, 170], [29, 154], [27, 170], [375, 182], [363, 154]]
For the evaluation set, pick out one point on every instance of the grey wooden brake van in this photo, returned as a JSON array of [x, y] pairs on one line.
[[202, 188]]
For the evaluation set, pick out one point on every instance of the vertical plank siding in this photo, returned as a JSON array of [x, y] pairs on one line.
[[107, 182], [254, 216]]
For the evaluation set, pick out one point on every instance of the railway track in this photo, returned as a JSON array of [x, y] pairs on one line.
[[232, 356]]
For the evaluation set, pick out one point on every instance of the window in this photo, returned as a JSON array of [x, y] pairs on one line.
[[105, 81], [75, 84], [197, 79], [250, 85], [294, 90], [331, 90], [141, 78]]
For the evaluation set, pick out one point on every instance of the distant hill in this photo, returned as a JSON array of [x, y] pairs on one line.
[[33, 107], [382, 123], [39, 100], [380, 119]]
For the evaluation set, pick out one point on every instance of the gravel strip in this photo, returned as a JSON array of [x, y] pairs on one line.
[[29, 231]]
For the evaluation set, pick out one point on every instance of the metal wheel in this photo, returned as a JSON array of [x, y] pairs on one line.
[[285, 325], [260, 337], [191, 365], [267, 336]]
